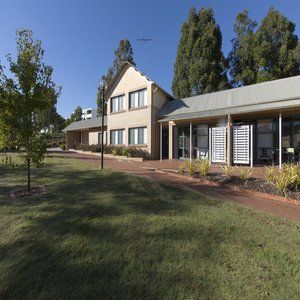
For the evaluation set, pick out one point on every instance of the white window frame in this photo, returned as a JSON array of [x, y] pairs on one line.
[[116, 140], [137, 99], [118, 102], [136, 136]]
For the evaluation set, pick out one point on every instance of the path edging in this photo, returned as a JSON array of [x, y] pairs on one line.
[[233, 188]]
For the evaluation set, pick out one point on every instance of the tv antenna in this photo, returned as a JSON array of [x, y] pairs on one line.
[[146, 42]]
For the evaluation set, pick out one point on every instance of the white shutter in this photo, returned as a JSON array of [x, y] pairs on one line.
[[241, 144], [218, 145]]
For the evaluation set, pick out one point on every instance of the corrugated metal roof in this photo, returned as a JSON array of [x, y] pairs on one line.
[[244, 99], [86, 124]]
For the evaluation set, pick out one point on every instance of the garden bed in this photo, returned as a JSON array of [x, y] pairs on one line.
[[253, 185], [37, 190]]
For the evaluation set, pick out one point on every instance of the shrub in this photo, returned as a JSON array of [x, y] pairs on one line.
[[244, 174], [270, 173], [283, 182], [181, 168], [190, 167], [227, 170], [202, 166], [138, 152]]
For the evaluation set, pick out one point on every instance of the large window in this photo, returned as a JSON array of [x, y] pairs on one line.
[[138, 99], [117, 103], [138, 136], [117, 137]]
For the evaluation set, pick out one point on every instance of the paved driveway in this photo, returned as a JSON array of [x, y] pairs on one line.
[[147, 169]]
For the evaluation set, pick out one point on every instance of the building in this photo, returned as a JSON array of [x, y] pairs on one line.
[[85, 132], [257, 124], [89, 113]]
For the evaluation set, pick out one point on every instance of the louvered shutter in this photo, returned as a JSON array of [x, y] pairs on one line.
[[241, 144], [218, 145]]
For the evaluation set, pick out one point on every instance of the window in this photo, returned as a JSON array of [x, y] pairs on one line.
[[138, 136], [117, 104], [117, 137], [138, 99]]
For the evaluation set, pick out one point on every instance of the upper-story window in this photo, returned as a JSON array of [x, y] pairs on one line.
[[117, 103], [138, 99]]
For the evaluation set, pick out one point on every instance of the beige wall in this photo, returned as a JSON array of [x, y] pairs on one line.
[[94, 134], [89, 137], [132, 80]]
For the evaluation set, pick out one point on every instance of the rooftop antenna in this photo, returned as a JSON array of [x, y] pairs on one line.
[[146, 41]]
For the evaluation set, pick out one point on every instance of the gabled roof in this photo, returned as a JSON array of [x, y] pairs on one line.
[[86, 124], [127, 64], [275, 94]]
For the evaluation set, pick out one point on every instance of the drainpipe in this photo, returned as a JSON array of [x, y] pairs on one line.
[[160, 144], [280, 140], [229, 140], [191, 144]]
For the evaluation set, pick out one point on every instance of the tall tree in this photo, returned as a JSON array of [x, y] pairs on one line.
[[123, 53], [276, 44], [200, 64], [242, 64], [298, 54], [180, 85], [23, 97]]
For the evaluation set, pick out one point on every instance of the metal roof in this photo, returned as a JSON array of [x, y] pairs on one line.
[[274, 94], [86, 124]]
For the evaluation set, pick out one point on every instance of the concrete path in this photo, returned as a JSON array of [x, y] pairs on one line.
[[147, 169]]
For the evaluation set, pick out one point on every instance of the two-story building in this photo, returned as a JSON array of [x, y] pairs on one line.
[[249, 125]]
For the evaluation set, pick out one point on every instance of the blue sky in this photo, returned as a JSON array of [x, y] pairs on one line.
[[79, 37]]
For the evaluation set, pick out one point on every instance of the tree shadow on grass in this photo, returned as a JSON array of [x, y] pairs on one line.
[[106, 235]]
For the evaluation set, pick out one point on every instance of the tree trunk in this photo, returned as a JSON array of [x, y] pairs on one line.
[[28, 175]]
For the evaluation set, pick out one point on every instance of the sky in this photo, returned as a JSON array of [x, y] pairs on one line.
[[79, 37]]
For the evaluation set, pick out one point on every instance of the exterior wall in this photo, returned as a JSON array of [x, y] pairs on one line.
[[131, 80], [159, 99], [94, 136], [89, 137]]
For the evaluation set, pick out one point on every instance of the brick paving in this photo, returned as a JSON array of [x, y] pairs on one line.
[[147, 169]]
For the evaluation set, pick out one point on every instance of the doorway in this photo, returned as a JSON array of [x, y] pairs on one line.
[[165, 143]]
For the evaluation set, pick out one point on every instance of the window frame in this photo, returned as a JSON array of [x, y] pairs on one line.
[[145, 137], [111, 104], [139, 106], [117, 134]]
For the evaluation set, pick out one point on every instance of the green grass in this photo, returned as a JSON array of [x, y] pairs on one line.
[[112, 235]]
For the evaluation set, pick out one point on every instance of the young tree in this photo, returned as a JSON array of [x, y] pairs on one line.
[[276, 44], [23, 97], [123, 53], [242, 64], [180, 85]]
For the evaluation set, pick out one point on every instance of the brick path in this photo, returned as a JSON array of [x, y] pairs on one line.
[[147, 168]]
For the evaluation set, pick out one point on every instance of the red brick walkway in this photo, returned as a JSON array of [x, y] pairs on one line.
[[147, 168]]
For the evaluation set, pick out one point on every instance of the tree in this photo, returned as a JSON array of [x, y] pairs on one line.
[[298, 54], [276, 44], [207, 71], [75, 116], [51, 117], [123, 53], [242, 64], [23, 97], [200, 64], [180, 85]]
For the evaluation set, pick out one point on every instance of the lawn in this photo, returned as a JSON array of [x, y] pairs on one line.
[[113, 235]]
